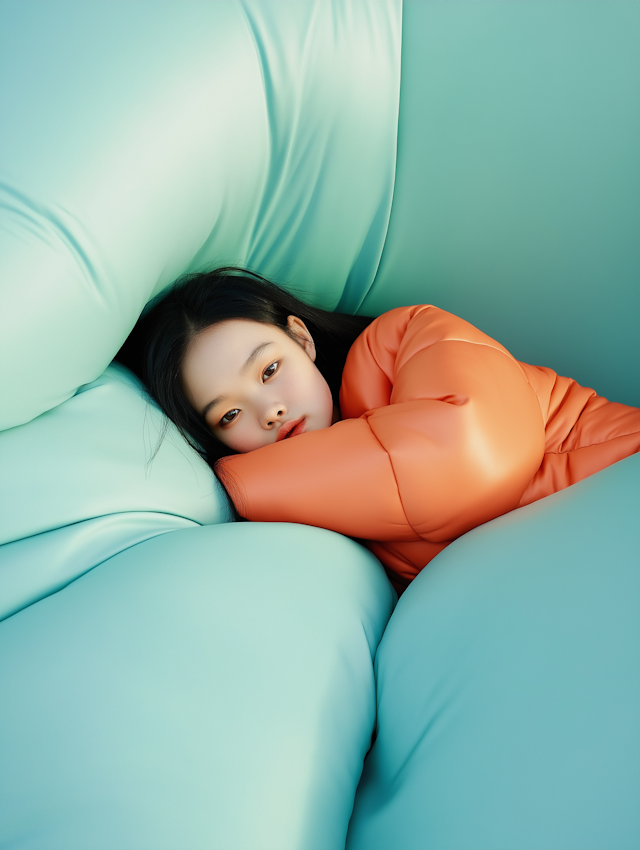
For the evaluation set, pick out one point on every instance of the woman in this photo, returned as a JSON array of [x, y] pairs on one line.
[[404, 431]]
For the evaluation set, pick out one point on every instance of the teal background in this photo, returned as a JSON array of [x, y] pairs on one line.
[[517, 192]]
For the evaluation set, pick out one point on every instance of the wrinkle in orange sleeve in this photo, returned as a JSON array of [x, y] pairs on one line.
[[465, 435], [367, 379]]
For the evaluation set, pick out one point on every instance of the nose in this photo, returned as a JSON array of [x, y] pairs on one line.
[[274, 413]]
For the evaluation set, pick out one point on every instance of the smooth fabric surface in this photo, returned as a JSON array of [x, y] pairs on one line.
[[148, 140], [442, 430], [509, 686], [84, 481], [199, 690], [212, 687], [517, 195]]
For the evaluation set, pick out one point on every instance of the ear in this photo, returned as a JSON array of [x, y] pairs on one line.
[[300, 331]]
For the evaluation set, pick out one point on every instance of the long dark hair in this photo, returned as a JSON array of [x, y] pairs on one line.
[[156, 347]]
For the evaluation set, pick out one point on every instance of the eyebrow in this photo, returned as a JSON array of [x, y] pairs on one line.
[[250, 359]]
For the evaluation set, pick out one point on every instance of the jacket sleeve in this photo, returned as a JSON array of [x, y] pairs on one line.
[[338, 478], [454, 437]]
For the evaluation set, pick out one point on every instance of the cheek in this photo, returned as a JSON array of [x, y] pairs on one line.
[[239, 438], [247, 437], [322, 399]]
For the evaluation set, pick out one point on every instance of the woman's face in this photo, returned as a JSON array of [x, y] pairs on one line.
[[254, 385]]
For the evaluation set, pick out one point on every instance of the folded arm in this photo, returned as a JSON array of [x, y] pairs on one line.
[[455, 445]]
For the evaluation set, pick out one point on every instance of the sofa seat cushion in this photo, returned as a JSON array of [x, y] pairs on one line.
[[509, 685], [209, 688], [90, 478]]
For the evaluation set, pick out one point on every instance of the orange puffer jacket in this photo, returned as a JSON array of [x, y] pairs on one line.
[[442, 430]]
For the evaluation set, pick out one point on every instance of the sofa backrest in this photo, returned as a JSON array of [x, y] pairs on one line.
[[144, 141], [517, 192]]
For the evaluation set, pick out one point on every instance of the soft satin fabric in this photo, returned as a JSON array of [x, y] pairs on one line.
[[142, 145], [509, 687], [443, 430]]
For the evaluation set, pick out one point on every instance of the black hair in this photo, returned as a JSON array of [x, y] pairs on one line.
[[157, 345]]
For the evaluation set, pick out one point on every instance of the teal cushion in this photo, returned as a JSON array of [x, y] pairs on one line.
[[517, 193], [509, 685], [143, 141], [84, 481], [210, 688]]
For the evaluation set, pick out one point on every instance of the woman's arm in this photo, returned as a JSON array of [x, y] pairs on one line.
[[338, 478]]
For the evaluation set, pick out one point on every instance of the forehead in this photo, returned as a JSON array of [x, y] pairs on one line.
[[234, 336], [217, 354]]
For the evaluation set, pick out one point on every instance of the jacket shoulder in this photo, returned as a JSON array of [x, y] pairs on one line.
[[389, 343]]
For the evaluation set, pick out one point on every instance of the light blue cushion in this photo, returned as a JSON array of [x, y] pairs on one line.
[[84, 481], [517, 196], [509, 685], [143, 141], [209, 688]]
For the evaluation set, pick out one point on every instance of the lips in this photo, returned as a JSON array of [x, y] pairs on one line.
[[291, 429]]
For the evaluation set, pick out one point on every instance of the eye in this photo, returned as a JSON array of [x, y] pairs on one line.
[[270, 371], [229, 416]]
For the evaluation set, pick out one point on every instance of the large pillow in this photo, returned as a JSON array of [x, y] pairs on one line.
[[509, 685], [90, 478], [141, 141], [210, 688]]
